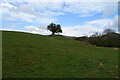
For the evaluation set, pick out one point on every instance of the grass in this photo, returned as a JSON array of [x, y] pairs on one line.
[[34, 56]]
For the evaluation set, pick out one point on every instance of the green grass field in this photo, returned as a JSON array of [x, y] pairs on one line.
[[34, 56]]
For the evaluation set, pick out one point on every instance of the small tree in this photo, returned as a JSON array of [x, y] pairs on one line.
[[54, 28], [107, 31], [96, 34]]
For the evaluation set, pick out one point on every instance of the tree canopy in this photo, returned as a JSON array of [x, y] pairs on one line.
[[107, 31], [54, 28]]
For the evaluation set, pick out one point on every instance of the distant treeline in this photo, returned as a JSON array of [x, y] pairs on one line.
[[111, 39]]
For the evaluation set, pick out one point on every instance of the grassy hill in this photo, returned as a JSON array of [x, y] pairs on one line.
[[34, 56], [106, 40]]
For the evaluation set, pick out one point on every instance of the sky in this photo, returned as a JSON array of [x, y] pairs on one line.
[[75, 17]]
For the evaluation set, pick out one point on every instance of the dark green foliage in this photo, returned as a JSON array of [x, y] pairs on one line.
[[107, 31], [83, 38], [54, 28], [107, 40]]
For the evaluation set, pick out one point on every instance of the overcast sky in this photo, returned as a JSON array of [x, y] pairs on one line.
[[76, 18]]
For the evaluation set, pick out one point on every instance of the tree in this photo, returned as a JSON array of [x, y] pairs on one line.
[[54, 28], [96, 34], [107, 31]]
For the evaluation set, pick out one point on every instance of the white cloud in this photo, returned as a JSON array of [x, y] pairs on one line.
[[37, 30], [13, 27], [82, 9], [22, 16], [47, 5], [7, 5], [11, 12], [87, 9], [27, 13], [45, 20], [41, 9], [62, 0], [80, 30], [105, 23], [91, 27], [33, 11]]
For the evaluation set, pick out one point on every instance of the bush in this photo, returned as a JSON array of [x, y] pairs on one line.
[[106, 40]]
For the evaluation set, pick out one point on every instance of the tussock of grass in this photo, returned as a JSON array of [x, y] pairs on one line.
[[34, 56]]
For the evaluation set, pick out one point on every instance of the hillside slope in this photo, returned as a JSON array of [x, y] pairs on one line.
[[34, 56], [105, 40]]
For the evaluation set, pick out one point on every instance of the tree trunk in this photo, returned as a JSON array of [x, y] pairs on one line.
[[53, 33]]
